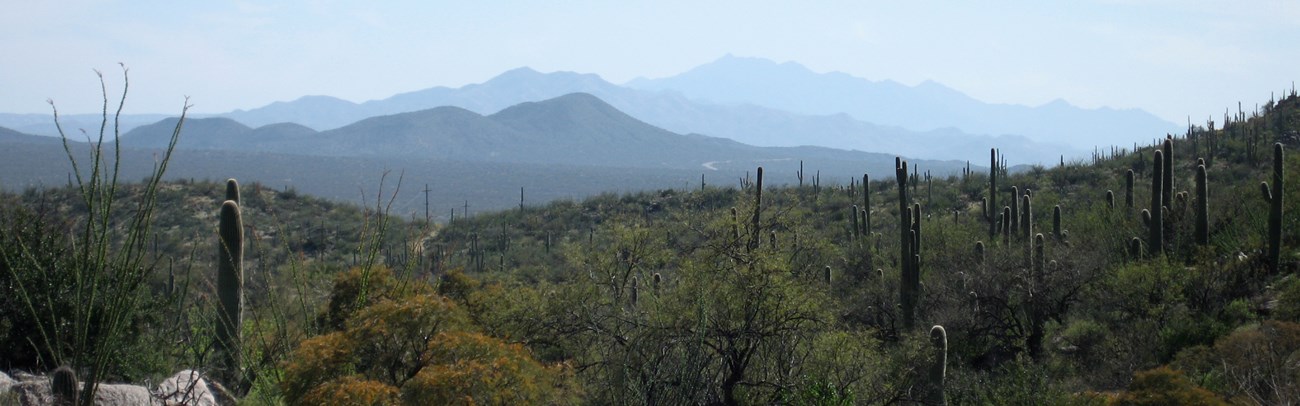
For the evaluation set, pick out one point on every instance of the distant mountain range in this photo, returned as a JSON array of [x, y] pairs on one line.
[[927, 106], [752, 101], [574, 129], [573, 145]]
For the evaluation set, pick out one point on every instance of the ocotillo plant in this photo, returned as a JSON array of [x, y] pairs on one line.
[[939, 368], [1202, 207], [230, 292], [1274, 196], [1156, 214], [63, 385]]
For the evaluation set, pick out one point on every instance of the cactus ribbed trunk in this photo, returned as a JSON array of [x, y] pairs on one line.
[[230, 292]]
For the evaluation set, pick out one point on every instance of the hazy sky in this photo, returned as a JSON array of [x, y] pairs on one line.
[[1174, 58]]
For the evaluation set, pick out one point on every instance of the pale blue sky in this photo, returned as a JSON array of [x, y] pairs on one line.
[[1173, 58]]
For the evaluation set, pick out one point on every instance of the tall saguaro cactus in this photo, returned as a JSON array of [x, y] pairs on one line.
[[1167, 194], [907, 237], [1037, 298], [230, 292], [755, 231], [939, 368], [1015, 209], [992, 203], [866, 205], [1128, 189], [1274, 196], [1202, 207], [1156, 224]]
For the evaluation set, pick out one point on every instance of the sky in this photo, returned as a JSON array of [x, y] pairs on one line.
[[1173, 58]]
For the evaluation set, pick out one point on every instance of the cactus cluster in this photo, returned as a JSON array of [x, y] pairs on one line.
[[909, 241]]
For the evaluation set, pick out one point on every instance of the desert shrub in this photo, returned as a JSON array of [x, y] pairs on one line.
[[409, 345], [1164, 386]]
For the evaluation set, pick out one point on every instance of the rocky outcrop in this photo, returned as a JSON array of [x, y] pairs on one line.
[[187, 388]]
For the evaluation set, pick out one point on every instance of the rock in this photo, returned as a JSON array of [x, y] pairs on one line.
[[5, 384], [124, 395], [186, 388]]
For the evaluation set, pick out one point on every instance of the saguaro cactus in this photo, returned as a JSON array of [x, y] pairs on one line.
[[856, 229], [63, 385], [635, 293], [907, 237], [1274, 196], [755, 226], [992, 202], [1026, 218], [1128, 189], [1167, 194], [1056, 222], [1202, 207], [939, 368], [232, 190], [1015, 208], [1036, 298], [1156, 225], [866, 205], [230, 291]]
